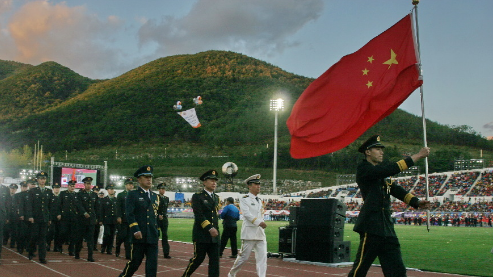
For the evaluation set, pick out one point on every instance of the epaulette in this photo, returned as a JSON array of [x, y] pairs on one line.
[[245, 196]]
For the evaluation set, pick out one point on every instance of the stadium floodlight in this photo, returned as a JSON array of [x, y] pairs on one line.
[[276, 105]]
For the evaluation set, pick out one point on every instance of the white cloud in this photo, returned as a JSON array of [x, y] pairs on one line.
[[41, 31], [254, 27]]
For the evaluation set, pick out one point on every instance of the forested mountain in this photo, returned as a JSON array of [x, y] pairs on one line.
[[66, 111], [8, 68], [29, 90]]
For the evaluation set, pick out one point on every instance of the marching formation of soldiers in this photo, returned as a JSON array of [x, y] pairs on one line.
[[39, 219]]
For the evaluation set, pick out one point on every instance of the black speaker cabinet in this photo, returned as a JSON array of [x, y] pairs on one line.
[[322, 212], [293, 216], [328, 205], [287, 238], [323, 251]]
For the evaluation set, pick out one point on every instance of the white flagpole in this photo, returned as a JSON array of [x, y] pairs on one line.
[[415, 3]]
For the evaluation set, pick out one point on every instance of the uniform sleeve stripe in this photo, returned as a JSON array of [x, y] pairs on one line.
[[408, 198], [253, 221], [402, 165], [133, 224], [205, 223]]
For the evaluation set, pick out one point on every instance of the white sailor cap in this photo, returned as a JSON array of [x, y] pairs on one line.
[[254, 179]]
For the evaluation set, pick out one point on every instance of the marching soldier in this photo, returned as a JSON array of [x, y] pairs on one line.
[[5, 202], [252, 230], [108, 218], [68, 217], [54, 228], [38, 213], [374, 224], [97, 228], [142, 210], [10, 229], [88, 218], [20, 222], [205, 235], [123, 235], [26, 226], [163, 219]]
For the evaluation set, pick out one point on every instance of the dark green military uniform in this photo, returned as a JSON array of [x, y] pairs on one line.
[[205, 206], [163, 223], [142, 210], [10, 229], [108, 217], [5, 202], [123, 235], [67, 209], [38, 209], [54, 228], [86, 205], [25, 225], [374, 223]]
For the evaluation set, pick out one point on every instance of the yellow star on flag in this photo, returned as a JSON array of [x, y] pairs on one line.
[[392, 59], [369, 84], [365, 71], [370, 59]]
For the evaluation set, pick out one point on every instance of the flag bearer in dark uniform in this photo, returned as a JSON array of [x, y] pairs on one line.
[[108, 218], [374, 224], [5, 202], [54, 228], [10, 230], [68, 217], [38, 213], [26, 226], [163, 219], [123, 235], [205, 235], [88, 218], [142, 208]]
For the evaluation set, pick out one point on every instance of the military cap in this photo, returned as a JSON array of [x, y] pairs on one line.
[[372, 142], [71, 183], [13, 186], [128, 180], [87, 180], [110, 186], [211, 174], [42, 174], [146, 170], [254, 179], [96, 188], [102, 192], [23, 184], [161, 186], [56, 185], [31, 181]]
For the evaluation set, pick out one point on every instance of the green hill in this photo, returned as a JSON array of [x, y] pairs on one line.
[[9, 68], [69, 113], [36, 88]]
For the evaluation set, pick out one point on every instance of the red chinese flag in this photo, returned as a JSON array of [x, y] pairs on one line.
[[355, 93]]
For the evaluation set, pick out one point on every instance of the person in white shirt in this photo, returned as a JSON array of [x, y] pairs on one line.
[[252, 229]]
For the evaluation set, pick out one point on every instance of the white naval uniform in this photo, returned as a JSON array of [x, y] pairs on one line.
[[252, 235]]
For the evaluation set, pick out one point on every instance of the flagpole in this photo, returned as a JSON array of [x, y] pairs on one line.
[[415, 3]]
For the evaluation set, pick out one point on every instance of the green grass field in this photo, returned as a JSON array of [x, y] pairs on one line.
[[457, 250]]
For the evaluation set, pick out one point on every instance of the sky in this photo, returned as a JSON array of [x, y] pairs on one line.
[[103, 39]]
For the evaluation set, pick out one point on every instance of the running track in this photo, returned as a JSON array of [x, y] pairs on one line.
[[61, 264]]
